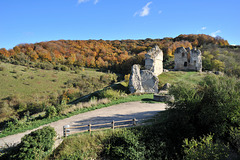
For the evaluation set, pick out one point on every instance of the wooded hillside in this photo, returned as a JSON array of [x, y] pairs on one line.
[[117, 55]]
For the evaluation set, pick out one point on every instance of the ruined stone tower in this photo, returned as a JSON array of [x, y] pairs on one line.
[[146, 81], [154, 60], [188, 60]]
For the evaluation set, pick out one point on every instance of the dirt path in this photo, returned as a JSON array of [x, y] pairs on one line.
[[116, 112]]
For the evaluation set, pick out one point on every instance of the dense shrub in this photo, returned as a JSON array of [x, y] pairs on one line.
[[123, 144], [234, 138], [35, 107], [35, 145], [205, 148], [154, 141], [211, 107], [51, 111]]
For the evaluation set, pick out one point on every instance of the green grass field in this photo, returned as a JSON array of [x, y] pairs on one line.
[[32, 84], [177, 76]]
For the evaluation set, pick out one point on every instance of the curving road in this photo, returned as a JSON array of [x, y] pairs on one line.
[[116, 112]]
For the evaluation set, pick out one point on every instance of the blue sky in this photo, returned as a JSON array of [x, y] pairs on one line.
[[30, 21]]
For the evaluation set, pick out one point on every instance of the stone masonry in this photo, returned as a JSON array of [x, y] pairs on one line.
[[154, 60], [142, 81], [187, 60], [146, 81]]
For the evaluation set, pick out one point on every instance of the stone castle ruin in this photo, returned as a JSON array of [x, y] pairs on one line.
[[146, 81], [154, 60], [187, 60]]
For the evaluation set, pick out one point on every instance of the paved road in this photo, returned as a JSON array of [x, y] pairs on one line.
[[116, 112]]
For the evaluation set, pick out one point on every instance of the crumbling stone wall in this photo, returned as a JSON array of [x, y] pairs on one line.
[[154, 60], [146, 81], [142, 81], [186, 59]]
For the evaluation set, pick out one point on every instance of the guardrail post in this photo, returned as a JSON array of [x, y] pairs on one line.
[[66, 131], [89, 128], [134, 121], [113, 125]]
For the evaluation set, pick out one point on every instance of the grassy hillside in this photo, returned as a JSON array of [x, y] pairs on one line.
[[34, 84], [21, 86]]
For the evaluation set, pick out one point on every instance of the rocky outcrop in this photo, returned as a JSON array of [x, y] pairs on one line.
[[149, 81], [154, 60], [135, 83], [143, 81]]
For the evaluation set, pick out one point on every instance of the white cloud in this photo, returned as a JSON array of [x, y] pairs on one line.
[[214, 34], [145, 10], [203, 28], [159, 12], [82, 1], [96, 1]]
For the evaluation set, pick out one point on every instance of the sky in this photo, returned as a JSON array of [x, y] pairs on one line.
[[31, 21]]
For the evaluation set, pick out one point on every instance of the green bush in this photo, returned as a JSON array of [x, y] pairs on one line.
[[110, 94], [205, 149], [64, 68], [46, 65], [35, 145], [35, 107], [5, 110], [153, 138], [123, 144], [77, 71], [234, 138], [2, 68], [51, 111]]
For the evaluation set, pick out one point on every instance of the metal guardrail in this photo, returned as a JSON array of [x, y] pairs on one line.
[[67, 129]]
